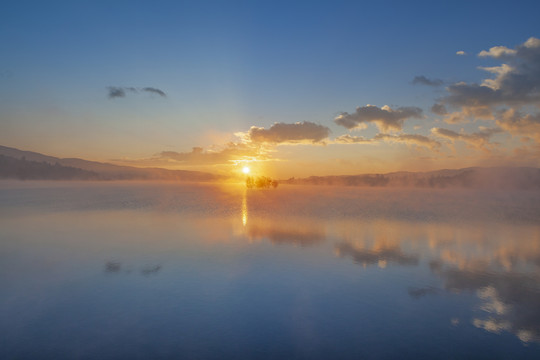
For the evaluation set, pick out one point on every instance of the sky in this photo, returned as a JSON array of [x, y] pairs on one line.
[[289, 88]]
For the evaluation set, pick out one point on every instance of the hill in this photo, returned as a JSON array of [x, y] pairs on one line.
[[25, 163]]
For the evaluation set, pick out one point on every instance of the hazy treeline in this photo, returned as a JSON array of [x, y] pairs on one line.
[[502, 177]]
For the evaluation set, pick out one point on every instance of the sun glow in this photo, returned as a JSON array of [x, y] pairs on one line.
[[245, 170]]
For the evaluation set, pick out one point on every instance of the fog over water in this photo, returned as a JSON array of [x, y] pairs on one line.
[[158, 270]]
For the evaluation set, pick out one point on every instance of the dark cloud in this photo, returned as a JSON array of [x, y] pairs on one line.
[[279, 133], [422, 80], [154, 91], [120, 91], [115, 92], [385, 118], [439, 109], [463, 94]]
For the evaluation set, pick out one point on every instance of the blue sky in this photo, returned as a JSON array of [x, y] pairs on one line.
[[228, 65]]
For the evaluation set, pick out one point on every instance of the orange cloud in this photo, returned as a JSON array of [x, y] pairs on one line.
[[518, 123], [478, 139]]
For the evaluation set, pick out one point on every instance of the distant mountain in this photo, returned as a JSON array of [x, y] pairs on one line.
[[13, 168], [473, 177], [86, 169]]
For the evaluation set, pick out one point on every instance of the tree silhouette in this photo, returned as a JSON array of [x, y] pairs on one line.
[[260, 182]]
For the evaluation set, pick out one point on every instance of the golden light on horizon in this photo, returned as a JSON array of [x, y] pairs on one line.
[[245, 170]]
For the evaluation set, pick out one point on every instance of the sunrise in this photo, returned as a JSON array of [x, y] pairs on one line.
[[285, 179]]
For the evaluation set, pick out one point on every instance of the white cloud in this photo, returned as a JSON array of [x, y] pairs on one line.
[[497, 52]]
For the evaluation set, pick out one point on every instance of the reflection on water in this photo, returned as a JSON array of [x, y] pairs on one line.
[[285, 231], [421, 292], [244, 208], [499, 264], [379, 255], [114, 267], [150, 271], [509, 301]]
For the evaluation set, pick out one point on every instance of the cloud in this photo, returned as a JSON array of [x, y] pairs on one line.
[[410, 139], [518, 123], [468, 113], [478, 139], [115, 92], [439, 109], [461, 53], [462, 94], [120, 92], [154, 91], [385, 117], [497, 52], [230, 152], [256, 144], [282, 133], [516, 83], [500, 71], [348, 139], [422, 80]]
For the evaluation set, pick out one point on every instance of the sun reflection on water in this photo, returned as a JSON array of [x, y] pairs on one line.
[[244, 208]]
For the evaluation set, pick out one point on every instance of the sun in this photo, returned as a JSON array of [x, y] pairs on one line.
[[245, 170]]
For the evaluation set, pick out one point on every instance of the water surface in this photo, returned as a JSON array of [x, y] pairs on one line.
[[149, 270]]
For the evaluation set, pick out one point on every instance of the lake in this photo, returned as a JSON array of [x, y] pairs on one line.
[[110, 270]]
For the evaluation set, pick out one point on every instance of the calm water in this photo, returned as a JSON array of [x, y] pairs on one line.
[[140, 271]]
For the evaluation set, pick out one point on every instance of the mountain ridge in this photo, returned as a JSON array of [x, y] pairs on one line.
[[107, 171]]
